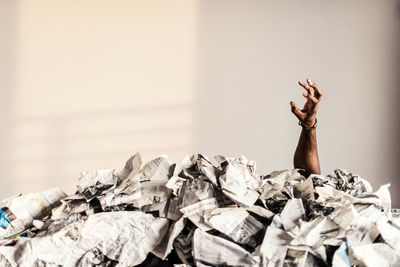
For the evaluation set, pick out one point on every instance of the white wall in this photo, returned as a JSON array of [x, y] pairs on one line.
[[252, 53], [85, 84]]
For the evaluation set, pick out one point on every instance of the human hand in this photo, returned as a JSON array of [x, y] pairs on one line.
[[308, 114]]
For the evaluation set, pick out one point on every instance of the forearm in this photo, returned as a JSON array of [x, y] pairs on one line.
[[306, 155]]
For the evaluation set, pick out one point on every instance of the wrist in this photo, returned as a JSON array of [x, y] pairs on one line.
[[309, 125]]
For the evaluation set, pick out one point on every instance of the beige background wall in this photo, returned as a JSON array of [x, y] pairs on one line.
[[85, 84]]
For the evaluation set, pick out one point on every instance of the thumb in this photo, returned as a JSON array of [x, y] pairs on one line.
[[296, 111]]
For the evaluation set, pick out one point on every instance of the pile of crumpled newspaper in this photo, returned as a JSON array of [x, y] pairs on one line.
[[200, 214]]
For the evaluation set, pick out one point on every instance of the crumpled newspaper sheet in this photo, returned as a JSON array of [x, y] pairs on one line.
[[202, 214]]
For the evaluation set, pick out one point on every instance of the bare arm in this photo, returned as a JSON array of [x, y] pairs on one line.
[[306, 155]]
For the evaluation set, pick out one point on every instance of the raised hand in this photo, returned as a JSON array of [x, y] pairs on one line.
[[308, 114]]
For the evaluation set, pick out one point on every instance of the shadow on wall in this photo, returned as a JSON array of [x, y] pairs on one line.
[[86, 85], [62, 146]]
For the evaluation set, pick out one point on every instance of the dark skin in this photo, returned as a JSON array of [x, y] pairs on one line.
[[306, 155]]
